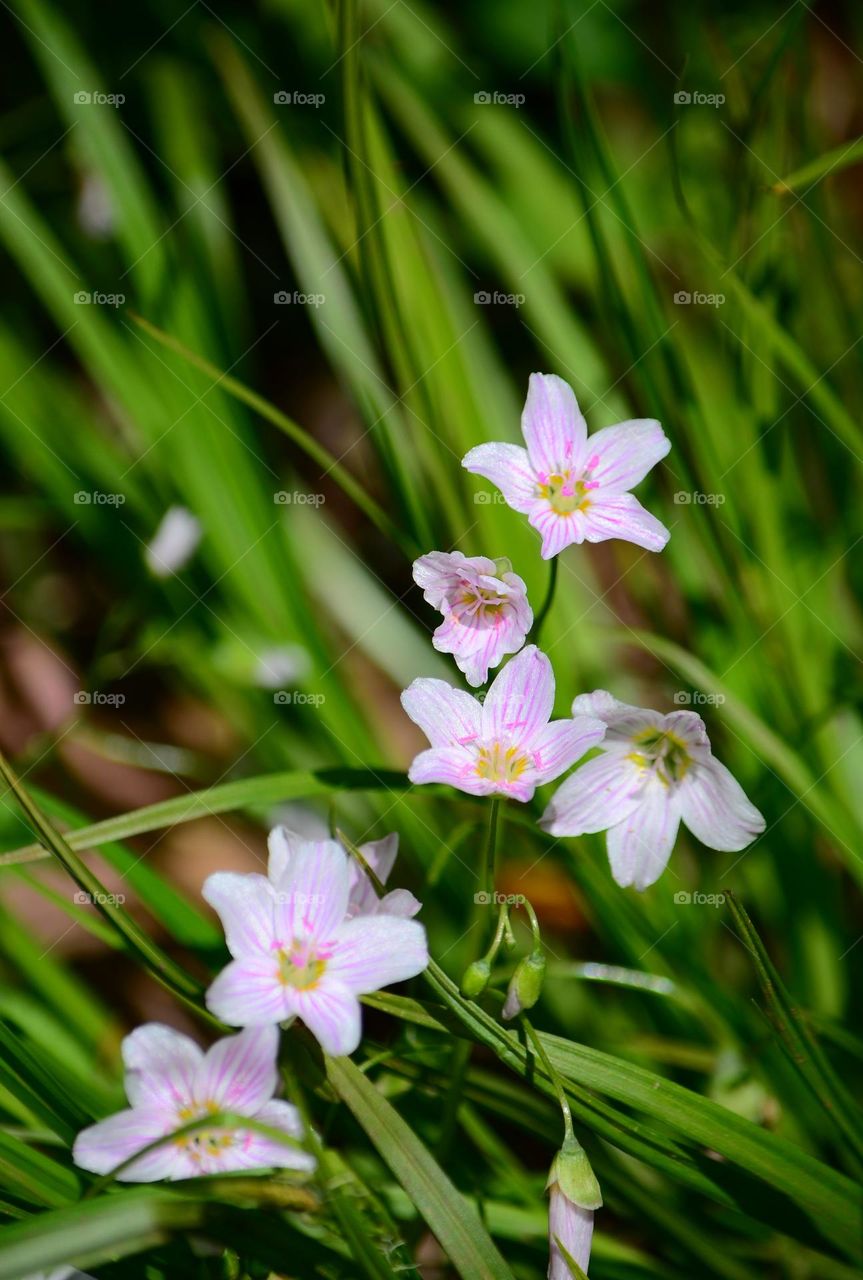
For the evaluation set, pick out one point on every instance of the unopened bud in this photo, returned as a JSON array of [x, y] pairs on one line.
[[475, 979], [525, 984]]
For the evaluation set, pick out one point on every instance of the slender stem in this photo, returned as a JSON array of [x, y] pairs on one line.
[[491, 847], [552, 1075], [547, 602]]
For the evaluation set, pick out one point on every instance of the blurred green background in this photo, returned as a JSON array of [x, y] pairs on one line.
[[323, 250]]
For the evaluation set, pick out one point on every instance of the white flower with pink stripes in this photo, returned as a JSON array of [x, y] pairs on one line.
[[571, 486], [655, 771], [504, 745], [303, 949], [171, 1082], [484, 606]]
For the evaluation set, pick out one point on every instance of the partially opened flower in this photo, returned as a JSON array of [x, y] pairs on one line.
[[297, 952], [574, 1196], [363, 899], [575, 488], [484, 605], [504, 745], [655, 771], [171, 1082]]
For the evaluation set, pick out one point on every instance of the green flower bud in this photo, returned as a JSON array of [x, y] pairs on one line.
[[572, 1172], [475, 979], [502, 565], [525, 984]]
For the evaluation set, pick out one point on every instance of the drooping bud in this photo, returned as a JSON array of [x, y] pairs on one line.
[[475, 979], [525, 984], [574, 1196]]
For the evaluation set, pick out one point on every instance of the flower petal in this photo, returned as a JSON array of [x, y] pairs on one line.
[[245, 905], [622, 719], [281, 844], [441, 573], [332, 1014], [399, 902], [247, 993], [557, 531], [453, 766], [380, 855], [160, 1066], [621, 515], [639, 847], [597, 796], [448, 717], [572, 1226], [508, 467], [559, 744], [257, 1151], [239, 1072], [373, 951], [312, 898], [103, 1146], [625, 453], [520, 699], [552, 425], [714, 807]]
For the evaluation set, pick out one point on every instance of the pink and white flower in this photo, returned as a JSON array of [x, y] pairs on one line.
[[573, 488], [363, 899], [484, 605], [504, 745], [571, 1226], [171, 1082], [297, 951], [655, 771]]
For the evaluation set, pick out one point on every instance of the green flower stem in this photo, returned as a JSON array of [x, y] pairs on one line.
[[547, 602], [552, 1075], [487, 878]]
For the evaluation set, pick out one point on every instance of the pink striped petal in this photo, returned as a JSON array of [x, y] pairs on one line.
[[281, 844], [508, 467], [160, 1066], [571, 1226], [245, 905], [552, 425], [520, 699], [557, 531], [453, 766], [248, 993], [597, 796], [447, 716], [714, 807], [312, 898], [332, 1014], [639, 847], [258, 1151], [625, 453], [622, 516], [558, 745], [374, 951], [399, 902], [239, 1073], [104, 1146], [441, 573]]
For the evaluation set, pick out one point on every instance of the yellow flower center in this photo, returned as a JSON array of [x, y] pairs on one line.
[[203, 1142], [501, 764], [565, 494], [299, 967], [663, 752]]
